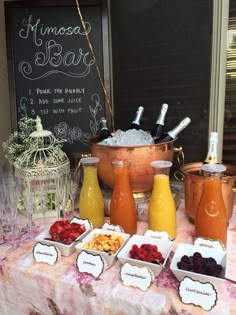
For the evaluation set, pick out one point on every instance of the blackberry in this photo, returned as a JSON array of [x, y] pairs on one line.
[[185, 258], [219, 269], [211, 261], [182, 265], [197, 255], [197, 263], [199, 268], [211, 269]]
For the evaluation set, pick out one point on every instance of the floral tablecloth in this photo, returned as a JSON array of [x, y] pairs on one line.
[[30, 288]]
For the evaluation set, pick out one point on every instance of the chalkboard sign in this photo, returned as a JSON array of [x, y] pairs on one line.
[[58, 67]]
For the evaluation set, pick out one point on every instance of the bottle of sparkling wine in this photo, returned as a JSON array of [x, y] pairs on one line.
[[172, 134], [211, 157], [158, 130], [104, 131], [136, 122]]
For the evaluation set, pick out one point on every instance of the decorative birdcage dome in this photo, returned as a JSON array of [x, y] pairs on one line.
[[43, 158]]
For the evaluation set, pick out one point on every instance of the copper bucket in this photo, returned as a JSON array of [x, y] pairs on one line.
[[193, 183], [141, 173]]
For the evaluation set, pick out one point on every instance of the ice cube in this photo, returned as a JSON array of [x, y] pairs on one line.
[[131, 137]]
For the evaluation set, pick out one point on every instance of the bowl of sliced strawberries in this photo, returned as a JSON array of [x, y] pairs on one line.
[[64, 234]]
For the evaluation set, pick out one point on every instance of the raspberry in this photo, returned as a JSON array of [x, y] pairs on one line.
[[146, 252], [135, 247], [159, 257]]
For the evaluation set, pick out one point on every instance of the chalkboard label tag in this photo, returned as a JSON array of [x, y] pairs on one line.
[[209, 243], [159, 235], [48, 254], [198, 293], [139, 277], [92, 264], [112, 227]]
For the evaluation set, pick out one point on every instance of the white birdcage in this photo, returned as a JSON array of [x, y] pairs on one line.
[[42, 163]]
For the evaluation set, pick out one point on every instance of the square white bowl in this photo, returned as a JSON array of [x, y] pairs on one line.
[[164, 246], [65, 250], [109, 258], [189, 249]]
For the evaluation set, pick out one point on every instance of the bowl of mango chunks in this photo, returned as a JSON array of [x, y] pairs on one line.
[[105, 243]]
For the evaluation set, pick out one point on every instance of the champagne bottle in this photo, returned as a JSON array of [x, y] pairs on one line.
[[211, 157], [172, 134], [158, 130], [104, 131], [136, 122]]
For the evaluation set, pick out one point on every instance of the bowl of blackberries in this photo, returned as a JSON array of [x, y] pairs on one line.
[[199, 263]]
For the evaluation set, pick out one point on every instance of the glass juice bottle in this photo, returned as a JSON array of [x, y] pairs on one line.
[[122, 206], [161, 209], [211, 219], [91, 203]]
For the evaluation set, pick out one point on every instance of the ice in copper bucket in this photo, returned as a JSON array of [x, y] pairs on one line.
[[141, 174]]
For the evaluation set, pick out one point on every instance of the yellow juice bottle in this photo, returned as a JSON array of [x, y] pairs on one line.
[[161, 209], [91, 203]]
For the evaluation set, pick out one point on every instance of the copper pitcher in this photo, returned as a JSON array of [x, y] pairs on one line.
[[190, 174]]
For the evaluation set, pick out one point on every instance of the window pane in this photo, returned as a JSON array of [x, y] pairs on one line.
[[229, 143], [162, 54]]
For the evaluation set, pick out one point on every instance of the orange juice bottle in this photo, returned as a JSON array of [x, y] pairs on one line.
[[161, 208], [122, 206], [91, 203], [211, 219]]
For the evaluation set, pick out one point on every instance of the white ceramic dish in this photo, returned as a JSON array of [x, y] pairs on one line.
[[188, 249], [109, 258], [65, 250], [164, 246]]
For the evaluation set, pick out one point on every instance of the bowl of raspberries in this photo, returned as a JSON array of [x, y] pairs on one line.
[[64, 234], [199, 263], [144, 251]]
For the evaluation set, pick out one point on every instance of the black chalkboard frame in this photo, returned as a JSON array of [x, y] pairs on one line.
[[9, 4]]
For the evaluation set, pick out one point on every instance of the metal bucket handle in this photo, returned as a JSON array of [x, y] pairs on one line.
[[180, 155], [179, 176], [233, 183]]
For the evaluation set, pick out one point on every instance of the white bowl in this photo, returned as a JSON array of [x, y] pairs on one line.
[[164, 246], [65, 250], [188, 249], [109, 258]]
